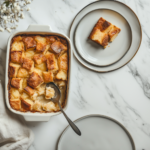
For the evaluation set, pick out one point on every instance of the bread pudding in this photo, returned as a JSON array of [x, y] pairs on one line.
[[34, 61], [104, 32]]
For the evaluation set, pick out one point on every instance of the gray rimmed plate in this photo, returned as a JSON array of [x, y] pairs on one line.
[[124, 11], [98, 133], [93, 52]]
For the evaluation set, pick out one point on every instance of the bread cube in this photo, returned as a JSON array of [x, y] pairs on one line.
[[38, 71], [58, 47], [41, 66], [39, 58], [30, 43], [63, 62], [34, 80], [51, 62], [13, 70], [17, 83], [27, 104], [28, 90], [16, 56], [48, 77], [61, 75], [50, 39], [41, 45], [23, 73], [29, 54], [28, 64], [24, 95], [15, 104], [14, 93], [17, 46]]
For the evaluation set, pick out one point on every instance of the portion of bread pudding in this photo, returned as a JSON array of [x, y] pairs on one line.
[[104, 32], [34, 61]]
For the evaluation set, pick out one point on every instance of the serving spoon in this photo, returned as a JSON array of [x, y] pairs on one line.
[[56, 99]]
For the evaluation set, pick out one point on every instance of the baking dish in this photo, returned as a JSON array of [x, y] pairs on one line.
[[42, 30]]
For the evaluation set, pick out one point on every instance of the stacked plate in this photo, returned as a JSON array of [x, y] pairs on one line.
[[120, 51]]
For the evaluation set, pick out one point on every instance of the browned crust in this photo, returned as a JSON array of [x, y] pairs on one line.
[[39, 58], [16, 56], [57, 47], [34, 80], [48, 77], [15, 104], [51, 61], [29, 90], [29, 42], [25, 105], [15, 82], [27, 63]]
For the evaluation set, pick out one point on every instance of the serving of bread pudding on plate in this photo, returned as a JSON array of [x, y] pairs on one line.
[[34, 61], [104, 32]]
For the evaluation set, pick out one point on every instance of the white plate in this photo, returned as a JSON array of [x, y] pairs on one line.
[[93, 52], [124, 11], [98, 133]]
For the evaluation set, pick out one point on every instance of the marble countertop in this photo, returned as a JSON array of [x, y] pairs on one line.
[[123, 94]]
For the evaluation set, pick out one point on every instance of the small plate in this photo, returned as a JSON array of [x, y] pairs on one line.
[[124, 11], [98, 133], [93, 52]]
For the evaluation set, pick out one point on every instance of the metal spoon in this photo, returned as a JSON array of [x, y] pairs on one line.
[[56, 99]]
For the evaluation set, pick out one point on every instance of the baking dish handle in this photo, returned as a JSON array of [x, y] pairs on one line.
[[37, 27], [36, 118]]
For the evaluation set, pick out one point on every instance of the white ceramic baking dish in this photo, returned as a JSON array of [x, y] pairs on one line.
[[36, 29]]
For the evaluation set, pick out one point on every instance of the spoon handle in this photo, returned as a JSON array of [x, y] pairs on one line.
[[73, 126]]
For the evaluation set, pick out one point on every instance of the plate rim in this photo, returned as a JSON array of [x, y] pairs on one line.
[[75, 34], [117, 59], [101, 116], [120, 59]]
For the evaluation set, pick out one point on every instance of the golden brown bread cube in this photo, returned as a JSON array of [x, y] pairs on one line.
[[14, 93], [22, 73], [39, 58], [17, 44], [34, 80], [51, 62], [13, 70], [27, 104], [17, 83], [15, 104], [28, 64], [113, 33], [51, 39], [16, 56], [48, 76], [41, 66], [41, 45], [29, 54], [57, 47], [38, 71], [29, 90], [30, 43], [63, 62]]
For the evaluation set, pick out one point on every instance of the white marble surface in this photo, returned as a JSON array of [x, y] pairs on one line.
[[123, 94]]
